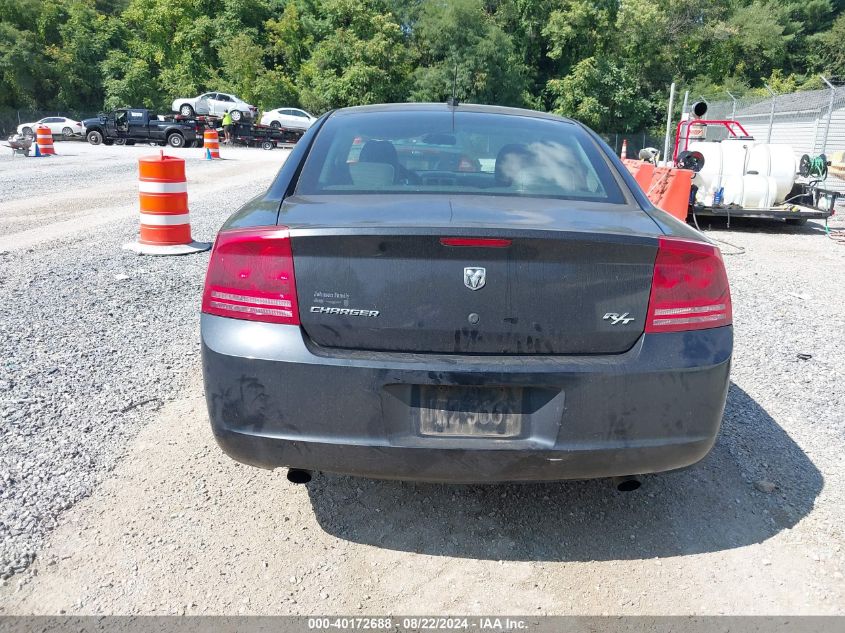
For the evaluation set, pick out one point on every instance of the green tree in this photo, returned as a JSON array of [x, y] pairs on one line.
[[579, 29], [829, 49], [85, 36], [289, 38], [458, 44], [602, 95], [608, 62], [363, 59]]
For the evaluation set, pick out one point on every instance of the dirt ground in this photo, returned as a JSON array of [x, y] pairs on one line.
[[180, 528], [756, 528]]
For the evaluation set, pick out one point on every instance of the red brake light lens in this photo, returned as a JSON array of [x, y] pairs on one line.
[[690, 289], [489, 242], [250, 276]]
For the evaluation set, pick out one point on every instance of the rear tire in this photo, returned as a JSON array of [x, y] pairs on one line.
[[268, 145], [27, 131], [176, 140], [186, 110], [120, 141], [276, 125], [95, 137], [67, 132], [236, 115]]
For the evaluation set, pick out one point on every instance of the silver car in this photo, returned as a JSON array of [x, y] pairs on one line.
[[215, 104]]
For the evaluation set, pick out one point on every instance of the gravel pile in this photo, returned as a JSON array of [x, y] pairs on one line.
[[94, 340]]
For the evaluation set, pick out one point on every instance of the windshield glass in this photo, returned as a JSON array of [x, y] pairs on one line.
[[471, 153]]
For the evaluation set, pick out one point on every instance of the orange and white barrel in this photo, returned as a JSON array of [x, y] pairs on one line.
[[44, 139], [211, 142], [165, 220]]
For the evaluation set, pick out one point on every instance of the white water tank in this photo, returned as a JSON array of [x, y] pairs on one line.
[[752, 175]]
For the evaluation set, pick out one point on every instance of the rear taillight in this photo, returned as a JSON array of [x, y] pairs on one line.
[[689, 290], [250, 276]]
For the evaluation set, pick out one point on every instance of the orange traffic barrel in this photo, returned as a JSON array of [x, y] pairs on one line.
[[641, 171], [165, 220], [211, 142], [44, 140]]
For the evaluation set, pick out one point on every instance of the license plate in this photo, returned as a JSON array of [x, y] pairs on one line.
[[470, 411]]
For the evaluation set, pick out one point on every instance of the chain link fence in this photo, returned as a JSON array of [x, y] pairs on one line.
[[636, 141], [11, 119]]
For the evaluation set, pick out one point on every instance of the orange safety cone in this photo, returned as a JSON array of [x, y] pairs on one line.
[[624, 153], [44, 141], [165, 220], [211, 141]]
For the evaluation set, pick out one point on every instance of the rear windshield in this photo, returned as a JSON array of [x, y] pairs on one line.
[[468, 153]]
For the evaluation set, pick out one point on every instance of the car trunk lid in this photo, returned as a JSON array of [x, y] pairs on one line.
[[545, 285]]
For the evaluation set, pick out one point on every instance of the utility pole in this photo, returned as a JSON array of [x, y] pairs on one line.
[[669, 122]]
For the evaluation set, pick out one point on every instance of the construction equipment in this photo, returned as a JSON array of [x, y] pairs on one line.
[[738, 176]]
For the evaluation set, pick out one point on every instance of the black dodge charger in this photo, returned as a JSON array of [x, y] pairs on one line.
[[462, 293]]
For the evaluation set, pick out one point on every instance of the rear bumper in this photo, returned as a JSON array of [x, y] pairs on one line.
[[275, 399]]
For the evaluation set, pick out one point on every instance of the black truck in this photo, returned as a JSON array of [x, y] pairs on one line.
[[137, 125]]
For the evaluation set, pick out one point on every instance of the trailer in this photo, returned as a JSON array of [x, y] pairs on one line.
[[264, 136], [738, 176], [244, 133]]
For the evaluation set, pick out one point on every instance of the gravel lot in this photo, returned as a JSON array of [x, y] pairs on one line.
[[94, 339], [115, 498]]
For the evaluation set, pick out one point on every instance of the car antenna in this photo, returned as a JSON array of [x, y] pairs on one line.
[[453, 101]]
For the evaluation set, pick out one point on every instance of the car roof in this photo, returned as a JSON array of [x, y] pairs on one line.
[[443, 107]]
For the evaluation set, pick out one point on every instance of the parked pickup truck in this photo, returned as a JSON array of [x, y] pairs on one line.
[[131, 125]]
